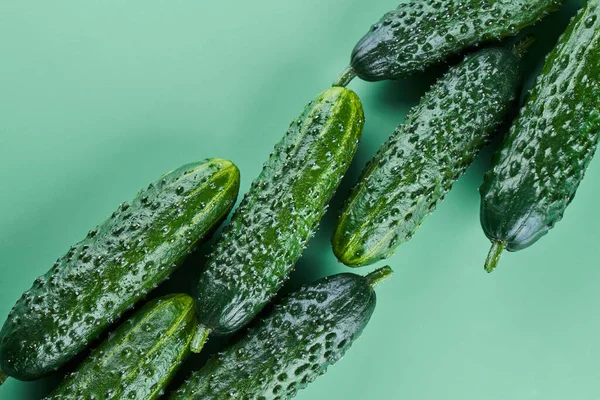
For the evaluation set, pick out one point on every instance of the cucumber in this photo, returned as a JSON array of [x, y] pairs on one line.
[[420, 162], [542, 161], [306, 332], [139, 359], [280, 213], [105, 274], [421, 33]]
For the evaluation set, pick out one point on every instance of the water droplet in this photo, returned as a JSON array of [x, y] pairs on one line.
[[589, 22]]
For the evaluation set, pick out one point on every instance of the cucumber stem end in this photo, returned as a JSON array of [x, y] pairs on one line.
[[379, 275], [346, 77], [200, 338], [3, 377], [522, 48], [494, 256]]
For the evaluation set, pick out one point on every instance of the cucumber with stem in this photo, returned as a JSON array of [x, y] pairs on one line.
[[297, 341], [420, 162], [421, 33], [536, 171], [280, 213]]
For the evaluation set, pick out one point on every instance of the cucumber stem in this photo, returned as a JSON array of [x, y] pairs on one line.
[[495, 253], [3, 377], [200, 338], [346, 77], [522, 47], [379, 275]]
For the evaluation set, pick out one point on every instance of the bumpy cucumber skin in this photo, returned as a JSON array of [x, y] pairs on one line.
[[421, 33], [420, 162], [280, 213], [114, 267], [140, 358], [304, 334], [538, 168]]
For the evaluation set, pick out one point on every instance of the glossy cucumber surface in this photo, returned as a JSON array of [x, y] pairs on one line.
[[114, 267], [297, 341], [139, 359], [280, 213], [421, 33], [542, 161], [418, 165]]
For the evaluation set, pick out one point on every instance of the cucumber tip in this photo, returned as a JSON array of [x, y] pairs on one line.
[[379, 275], [345, 78], [200, 338], [491, 263]]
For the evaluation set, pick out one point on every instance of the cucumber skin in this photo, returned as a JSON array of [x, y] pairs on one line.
[[538, 168], [114, 267], [420, 162], [148, 349], [421, 33], [305, 333], [280, 213]]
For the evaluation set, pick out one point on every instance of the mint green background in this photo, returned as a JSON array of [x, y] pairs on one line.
[[98, 98]]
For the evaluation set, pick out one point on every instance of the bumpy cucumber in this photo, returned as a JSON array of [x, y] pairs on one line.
[[305, 333], [140, 358], [114, 267], [420, 33], [542, 161], [418, 165], [280, 213]]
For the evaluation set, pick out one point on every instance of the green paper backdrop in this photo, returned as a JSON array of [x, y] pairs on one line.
[[98, 98]]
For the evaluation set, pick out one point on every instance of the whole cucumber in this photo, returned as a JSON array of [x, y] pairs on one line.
[[114, 267], [306, 332], [280, 213], [140, 358], [421, 33], [542, 161], [420, 162]]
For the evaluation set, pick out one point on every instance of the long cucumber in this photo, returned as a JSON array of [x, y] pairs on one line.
[[280, 213], [303, 335], [421, 33], [114, 267], [537, 170], [420, 162]]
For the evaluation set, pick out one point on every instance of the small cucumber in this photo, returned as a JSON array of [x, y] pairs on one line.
[[280, 213], [418, 165], [542, 161], [139, 359], [421, 33], [306, 332], [114, 267]]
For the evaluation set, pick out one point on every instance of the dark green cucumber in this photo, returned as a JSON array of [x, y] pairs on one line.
[[420, 162], [420, 33], [542, 161], [114, 267], [139, 359], [306, 332], [280, 213]]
